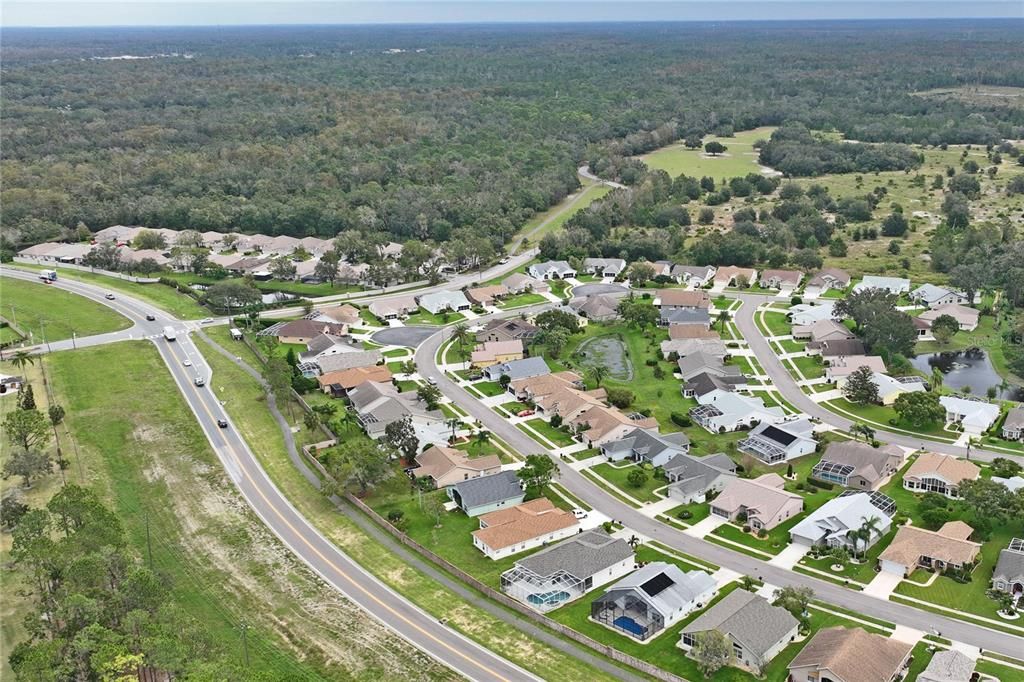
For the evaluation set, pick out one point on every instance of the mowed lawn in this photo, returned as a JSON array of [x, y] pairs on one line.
[[739, 159], [54, 313]]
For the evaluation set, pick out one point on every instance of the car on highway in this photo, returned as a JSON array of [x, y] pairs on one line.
[[199, 381], [187, 362], [206, 320], [222, 423], [524, 413], [503, 260], [432, 381], [109, 297], [150, 317]]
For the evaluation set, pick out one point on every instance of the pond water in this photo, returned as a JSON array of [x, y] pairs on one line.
[[610, 352], [970, 368]]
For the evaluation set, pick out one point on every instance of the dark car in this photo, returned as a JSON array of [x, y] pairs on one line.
[[150, 317], [222, 423]]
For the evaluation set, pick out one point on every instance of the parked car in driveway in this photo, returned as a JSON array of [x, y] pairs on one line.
[[579, 513], [524, 413]]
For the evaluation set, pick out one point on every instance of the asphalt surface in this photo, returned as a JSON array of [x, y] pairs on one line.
[[789, 389], [333, 566], [596, 498], [403, 336], [596, 288]]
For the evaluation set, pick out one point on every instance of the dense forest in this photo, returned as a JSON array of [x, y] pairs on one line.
[[419, 132]]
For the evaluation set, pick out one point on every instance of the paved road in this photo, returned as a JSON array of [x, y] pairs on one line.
[[407, 620], [579, 486], [787, 386], [585, 172]]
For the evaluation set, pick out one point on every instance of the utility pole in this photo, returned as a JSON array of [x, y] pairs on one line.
[[245, 642], [74, 346], [42, 328]]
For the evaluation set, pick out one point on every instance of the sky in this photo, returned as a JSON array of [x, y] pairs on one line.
[[246, 12]]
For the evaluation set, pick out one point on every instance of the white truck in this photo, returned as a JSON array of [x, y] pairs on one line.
[[48, 275], [169, 333]]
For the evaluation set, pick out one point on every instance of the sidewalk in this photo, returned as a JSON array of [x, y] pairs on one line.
[[705, 526]]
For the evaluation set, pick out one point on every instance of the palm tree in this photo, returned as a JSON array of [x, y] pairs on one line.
[[482, 437], [868, 529], [860, 429], [633, 541], [723, 318], [22, 358], [937, 378], [453, 424], [460, 334], [598, 372], [853, 535]]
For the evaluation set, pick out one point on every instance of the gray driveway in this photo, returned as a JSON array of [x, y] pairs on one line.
[[599, 288], [403, 336]]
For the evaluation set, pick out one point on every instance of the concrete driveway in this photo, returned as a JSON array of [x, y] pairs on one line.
[[403, 336], [789, 557]]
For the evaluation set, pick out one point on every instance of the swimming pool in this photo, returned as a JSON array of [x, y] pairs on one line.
[[629, 625], [548, 598]]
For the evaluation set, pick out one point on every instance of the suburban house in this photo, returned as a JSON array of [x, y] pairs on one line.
[[10, 383], [484, 494], [1008, 575], [780, 279], [566, 571], [303, 331], [380, 404], [391, 250], [673, 316], [531, 524], [760, 502], [600, 424], [780, 442], [518, 283], [822, 330], [444, 466], [935, 550], [54, 252], [649, 600], [932, 296], [829, 278], [692, 478], [685, 347], [132, 257], [604, 267], [518, 369], [337, 384], [1013, 426], [839, 654], [806, 314], [533, 388], [394, 308], [670, 299], [496, 352], [1013, 484], [836, 348], [935, 473], [552, 269], [695, 276], [894, 285], [707, 382], [758, 631], [948, 666], [830, 524], [841, 367], [339, 361], [890, 388], [599, 307], [725, 411], [858, 465], [662, 268], [341, 314], [691, 330], [321, 346], [700, 363], [730, 274], [642, 445], [966, 317], [487, 295], [444, 301], [510, 329], [975, 416]]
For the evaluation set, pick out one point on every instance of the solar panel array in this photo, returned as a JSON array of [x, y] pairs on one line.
[[657, 584]]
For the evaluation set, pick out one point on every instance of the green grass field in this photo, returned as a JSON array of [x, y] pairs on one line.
[[521, 300], [159, 295], [45, 311], [296, 288], [555, 217], [559, 437], [738, 160], [618, 476], [428, 318]]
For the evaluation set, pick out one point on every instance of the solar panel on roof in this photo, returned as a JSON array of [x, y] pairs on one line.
[[778, 435], [657, 584]]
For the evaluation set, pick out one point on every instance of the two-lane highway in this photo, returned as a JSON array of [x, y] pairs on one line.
[[338, 570]]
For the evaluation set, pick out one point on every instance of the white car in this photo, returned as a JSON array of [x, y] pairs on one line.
[[187, 363], [579, 513], [207, 320]]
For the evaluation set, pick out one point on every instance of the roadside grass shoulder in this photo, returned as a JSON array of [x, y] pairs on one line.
[[47, 312]]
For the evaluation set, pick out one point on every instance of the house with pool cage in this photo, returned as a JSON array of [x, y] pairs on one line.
[[566, 571]]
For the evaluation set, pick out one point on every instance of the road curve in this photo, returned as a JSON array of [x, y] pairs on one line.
[[575, 483], [789, 389], [333, 566]]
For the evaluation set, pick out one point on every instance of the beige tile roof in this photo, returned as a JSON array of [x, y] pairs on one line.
[[438, 461], [691, 331], [684, 298], [946, 544], [763, 495], [349, 378], [948, 468], [345, 313], [490, 350], [602, 420], [730, 271], [853, 655], [523, 522], [486, 294], [545, 383]]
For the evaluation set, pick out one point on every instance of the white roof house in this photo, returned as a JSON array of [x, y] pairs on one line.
[[933, 296], [439, 301], [974, 415], [552, 269], [606, 267], [894, 285], [890, 388], [723, 411], [778, 443], [806, 314], [829, 524], [649, 600]]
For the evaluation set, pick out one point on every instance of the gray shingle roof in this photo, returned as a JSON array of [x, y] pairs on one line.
[[648, 443], [948, 666], [498, 487], [684, 315], [1014, 418], [581, 556], [1010, 565], [520, 369], [676, 588], [747, 618], [695, 474]]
